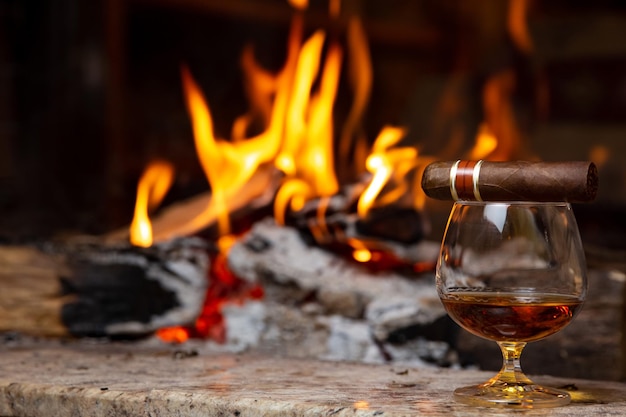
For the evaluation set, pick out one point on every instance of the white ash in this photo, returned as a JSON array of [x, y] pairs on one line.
[[424, 353], [321, 305], [246, 324], [350, 340], [286, 259], [389, 314]]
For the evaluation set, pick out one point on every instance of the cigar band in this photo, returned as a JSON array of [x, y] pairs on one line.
[[464, 176], [453, 170], [475, 176]]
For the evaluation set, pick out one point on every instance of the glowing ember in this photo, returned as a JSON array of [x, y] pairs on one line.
[[224, 288]]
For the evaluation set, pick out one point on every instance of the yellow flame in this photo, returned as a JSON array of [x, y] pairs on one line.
[[295, 109], [227, 166], [307, 153], [291, 192], [390, 167], [224, 243], [151, 189], [318, 166], [352, 146], [306, 70]]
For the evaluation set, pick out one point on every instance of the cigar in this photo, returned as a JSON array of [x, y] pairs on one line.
[[572, 181]]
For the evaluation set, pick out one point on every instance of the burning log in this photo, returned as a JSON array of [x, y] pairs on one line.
[[365, 313], [392, 231], [338, 215], [95, 290], [507, 181], [198, 213]]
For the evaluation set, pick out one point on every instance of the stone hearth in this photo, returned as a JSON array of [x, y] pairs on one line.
[[151, 379]]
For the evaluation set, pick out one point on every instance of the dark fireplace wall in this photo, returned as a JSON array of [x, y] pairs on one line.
[[52, 105], [90, 91]]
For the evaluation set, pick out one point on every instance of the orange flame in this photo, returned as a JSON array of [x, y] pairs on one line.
[[306, 156], [353, 145], [294, 110], [228, 166], [390, 167], [334, 8], [153, 185], [517, 26], [299, 4], [499, 136], [486, 143]]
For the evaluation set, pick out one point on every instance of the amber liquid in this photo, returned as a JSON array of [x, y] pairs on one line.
[[510, 316]]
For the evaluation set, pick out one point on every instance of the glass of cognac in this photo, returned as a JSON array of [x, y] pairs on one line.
[[512, 272]]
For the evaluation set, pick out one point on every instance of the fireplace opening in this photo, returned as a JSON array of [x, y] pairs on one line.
[[95, 92]]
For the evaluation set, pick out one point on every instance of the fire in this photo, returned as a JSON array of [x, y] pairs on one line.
[[228, 166], [306, 157], [486, 143], [299, 4], [153, 185], [352, 145], [360, 251], [499, 136], [294, 110], [297, 140], [224, 287], [383, 162], [517, 26]]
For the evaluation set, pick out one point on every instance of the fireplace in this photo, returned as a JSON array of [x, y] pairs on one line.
[[96, 91], [103, 82]]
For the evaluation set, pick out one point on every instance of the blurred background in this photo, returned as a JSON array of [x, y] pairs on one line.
[[90, 92]]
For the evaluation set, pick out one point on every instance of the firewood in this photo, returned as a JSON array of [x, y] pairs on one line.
[[174, 221], [30, 300], [333, 223], [279, 256], [90, 289]]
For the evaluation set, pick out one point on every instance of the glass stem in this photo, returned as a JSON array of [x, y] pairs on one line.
[[511, 372]]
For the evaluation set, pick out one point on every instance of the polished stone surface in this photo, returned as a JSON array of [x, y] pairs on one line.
[[158, 380]]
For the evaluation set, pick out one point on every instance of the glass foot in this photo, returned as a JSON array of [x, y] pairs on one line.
[[512, 396]]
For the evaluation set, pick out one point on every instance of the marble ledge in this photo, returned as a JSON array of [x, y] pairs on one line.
[[124, 381]]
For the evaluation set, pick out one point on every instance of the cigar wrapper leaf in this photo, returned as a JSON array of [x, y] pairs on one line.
[[571, 181]]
